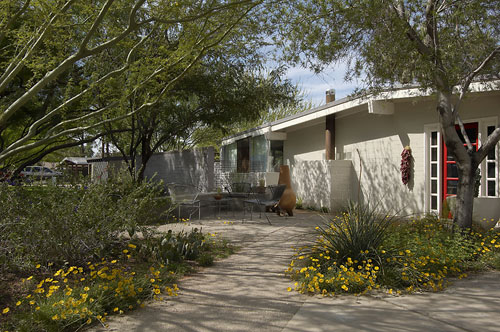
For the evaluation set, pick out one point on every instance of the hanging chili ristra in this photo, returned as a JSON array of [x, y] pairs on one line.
[[405, 164]]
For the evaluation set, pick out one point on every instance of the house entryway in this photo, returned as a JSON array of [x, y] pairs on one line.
[[441, 170]]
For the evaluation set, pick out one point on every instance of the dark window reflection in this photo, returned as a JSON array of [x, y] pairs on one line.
[[434, 203], [434, 170], [452, 170], [452, 187], [491, 188], [491, 170], [434, 138], [471, 133], [491, 155]]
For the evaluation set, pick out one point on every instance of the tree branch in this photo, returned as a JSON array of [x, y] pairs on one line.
[[487, 146], [69, 61], [33, 129], [13, 19], [14, 68], [95, 25], [470, 77], [412, 35], [464, 132]]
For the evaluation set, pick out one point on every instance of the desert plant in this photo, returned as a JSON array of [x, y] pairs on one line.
[[70, 224], [414, 255], [299, 204], [354, 234], [172, 247]]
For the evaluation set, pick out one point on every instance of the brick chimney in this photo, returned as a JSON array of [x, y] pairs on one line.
[[330, 95]]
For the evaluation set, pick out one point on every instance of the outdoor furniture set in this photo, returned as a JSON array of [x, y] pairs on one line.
[[263, 198]]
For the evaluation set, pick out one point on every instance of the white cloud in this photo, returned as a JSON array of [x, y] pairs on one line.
[[315, 85]]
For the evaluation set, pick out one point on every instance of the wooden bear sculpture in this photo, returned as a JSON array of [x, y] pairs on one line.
[[288, 199]]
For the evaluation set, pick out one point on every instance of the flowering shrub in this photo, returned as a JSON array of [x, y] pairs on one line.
[[68, 245], [69, 297], [417, 255]]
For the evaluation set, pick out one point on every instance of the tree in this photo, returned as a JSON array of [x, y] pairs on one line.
[[214, 95], [51, 76], [212, 136], [443, 45]]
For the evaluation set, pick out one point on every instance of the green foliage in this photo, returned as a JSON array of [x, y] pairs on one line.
[[99, 266], [299, 204], [358, 230], [87, 64], [387, 43], [71, 224], [173, 247], [205, 260], [477, 182], [71, 297], [412, 255]]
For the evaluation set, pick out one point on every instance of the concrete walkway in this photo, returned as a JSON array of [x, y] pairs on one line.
[[248, 292]]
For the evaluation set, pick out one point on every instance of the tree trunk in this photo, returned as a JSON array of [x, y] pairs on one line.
[[465, 196], [146, 154], [144, 161], [463, 158]]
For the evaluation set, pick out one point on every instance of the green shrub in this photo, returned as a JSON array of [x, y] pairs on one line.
[[354, 234], [167, 248], [300, 204], [405, 256], [205, 259], [70, 224]]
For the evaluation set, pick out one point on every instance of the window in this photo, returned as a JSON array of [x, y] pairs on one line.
[[229, 157], [276, 155], [258, 154], [434, 170], [243, 155], [491, 170], [450, 171]]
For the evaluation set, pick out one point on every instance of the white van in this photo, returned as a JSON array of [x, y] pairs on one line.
[[39, 171]]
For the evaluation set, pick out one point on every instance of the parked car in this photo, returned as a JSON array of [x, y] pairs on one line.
[[39, 171]]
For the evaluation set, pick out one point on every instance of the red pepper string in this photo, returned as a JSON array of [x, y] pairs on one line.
[[405, 165]]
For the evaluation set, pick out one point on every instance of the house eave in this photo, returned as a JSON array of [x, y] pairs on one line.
[[350, 105]]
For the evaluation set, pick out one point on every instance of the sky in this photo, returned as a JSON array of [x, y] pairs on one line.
[[314, 85]]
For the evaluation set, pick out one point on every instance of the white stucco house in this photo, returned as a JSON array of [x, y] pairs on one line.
[[350, 149]]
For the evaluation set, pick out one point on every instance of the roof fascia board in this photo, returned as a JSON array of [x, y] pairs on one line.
[[250, 133], [319, 114]]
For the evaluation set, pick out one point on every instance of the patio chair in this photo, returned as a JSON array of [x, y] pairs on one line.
[[239, 190], [260, 201], [185, 195]]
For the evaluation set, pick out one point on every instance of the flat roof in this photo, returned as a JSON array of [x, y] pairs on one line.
[[349, 103]]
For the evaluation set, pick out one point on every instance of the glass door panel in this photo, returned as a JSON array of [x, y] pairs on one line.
[[450, 171]]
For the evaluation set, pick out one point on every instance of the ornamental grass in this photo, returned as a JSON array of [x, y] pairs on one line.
[[405, 256]]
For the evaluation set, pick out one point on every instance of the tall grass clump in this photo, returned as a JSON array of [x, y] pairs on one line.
[[356, 232]]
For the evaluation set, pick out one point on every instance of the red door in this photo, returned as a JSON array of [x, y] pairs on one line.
[[450, 171]]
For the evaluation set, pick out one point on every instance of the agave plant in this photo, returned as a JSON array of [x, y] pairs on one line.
[[355, 234]]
